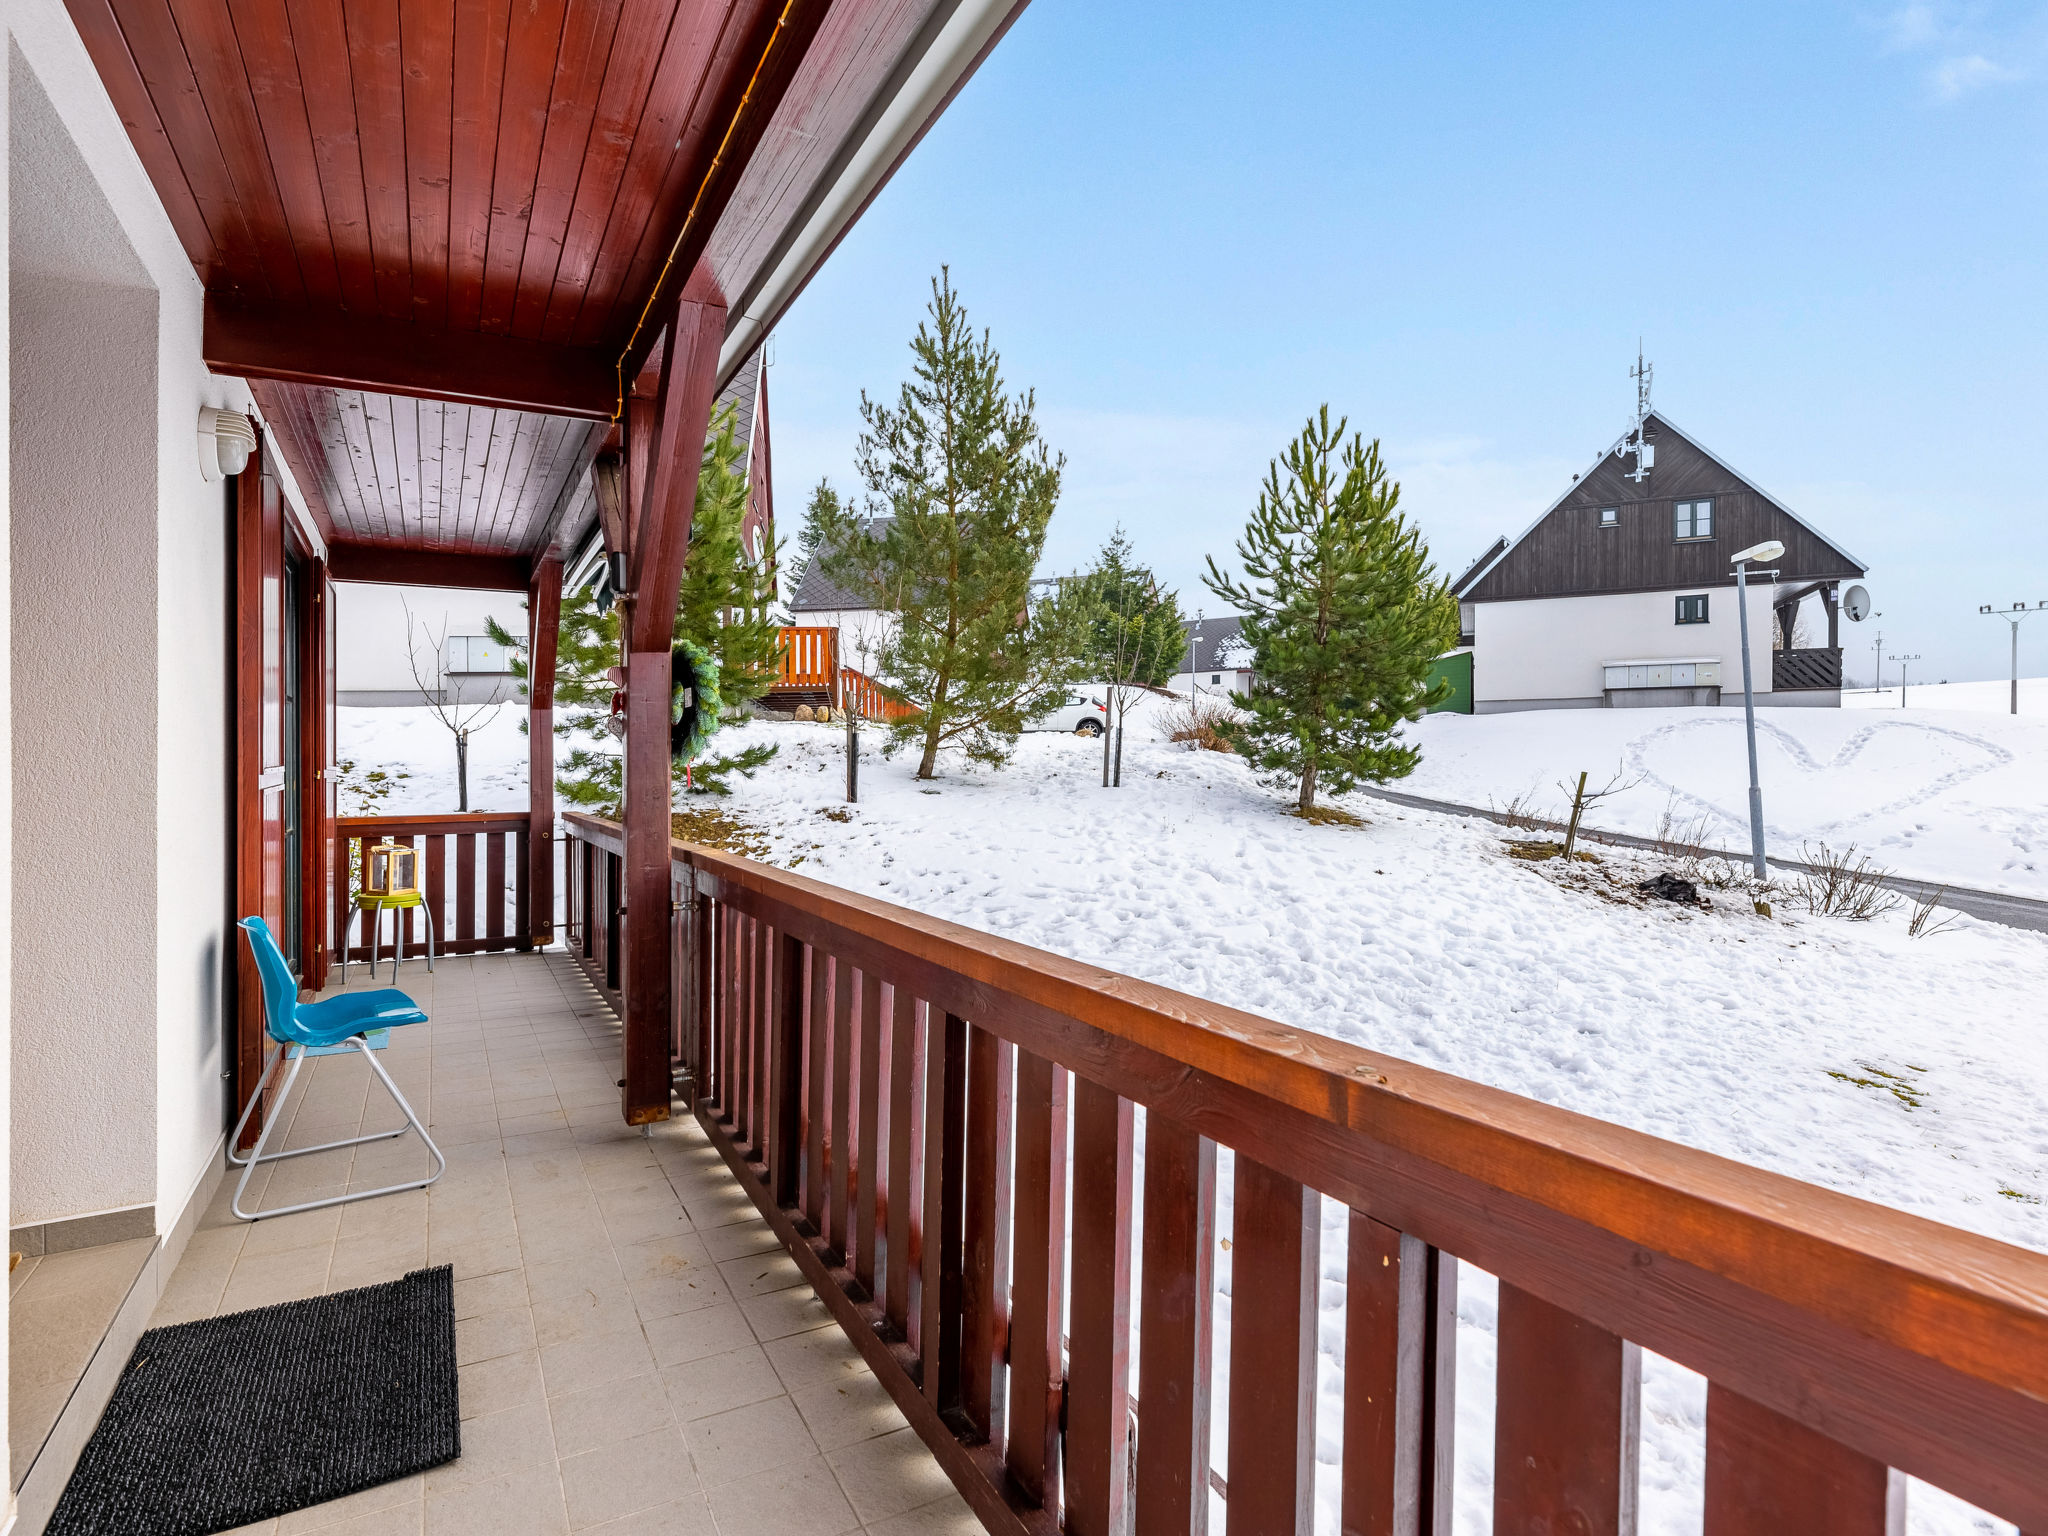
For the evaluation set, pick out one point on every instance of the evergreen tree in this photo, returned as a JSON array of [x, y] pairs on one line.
[[1131, 635], [822, 511], [967, 487], [1343, 613], [723, 609]]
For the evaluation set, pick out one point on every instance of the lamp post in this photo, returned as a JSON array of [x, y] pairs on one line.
[[2012, 616], [1903, 662], [1770, 549]]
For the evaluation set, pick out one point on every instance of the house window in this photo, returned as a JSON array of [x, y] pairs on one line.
[[1694, 520], [1215, 677], [1693, 609], [1610, 517]]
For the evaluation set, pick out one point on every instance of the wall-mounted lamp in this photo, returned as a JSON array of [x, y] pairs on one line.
[[225, 442]]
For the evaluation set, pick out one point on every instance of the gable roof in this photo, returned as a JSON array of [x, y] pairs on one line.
[[818, 592], [1503, 548], [1221, 634]]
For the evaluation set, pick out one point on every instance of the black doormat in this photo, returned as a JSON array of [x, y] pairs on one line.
[[231, 1420]]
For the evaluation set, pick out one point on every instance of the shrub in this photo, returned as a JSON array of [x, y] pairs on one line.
[[1842, 884], [1203, 723]]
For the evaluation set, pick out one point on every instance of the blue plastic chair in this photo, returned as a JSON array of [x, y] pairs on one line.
[[298, 1026]]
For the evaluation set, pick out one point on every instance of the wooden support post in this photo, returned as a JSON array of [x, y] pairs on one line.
[[544, 622], [661, 502], [1566, 1425], [1768, 1475]]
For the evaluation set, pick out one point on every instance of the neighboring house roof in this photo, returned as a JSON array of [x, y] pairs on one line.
[[818, 592], [1220, 647], [1502, 549]]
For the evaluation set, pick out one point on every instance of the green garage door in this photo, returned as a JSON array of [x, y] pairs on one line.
[[1455, 669]]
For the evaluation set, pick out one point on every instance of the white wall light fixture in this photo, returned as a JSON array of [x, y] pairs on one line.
[[225, 442]]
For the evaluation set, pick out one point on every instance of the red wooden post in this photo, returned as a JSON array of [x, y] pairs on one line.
[[1567, 1424], [945, 1127], [984, 1315], [1099, 1356], [867, 1157], [544, 622], [1768, 1475], [1037, 1315], [662, 502], [902, 1134], [1273, 1271], [1175, 1328], [838, 1134], [786, 1142], [816, 1090]]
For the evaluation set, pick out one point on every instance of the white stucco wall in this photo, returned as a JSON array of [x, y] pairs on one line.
[[1552, 648], [371, 630], [123, 644], [862, 633]]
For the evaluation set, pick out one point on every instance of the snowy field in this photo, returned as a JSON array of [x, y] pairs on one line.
[[1957, 794], [1982, 698], [1415, 935]]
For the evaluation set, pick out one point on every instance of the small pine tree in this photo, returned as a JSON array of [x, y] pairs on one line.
[[968, 487], [723, 608], [1131, 635], [822, 511], [1343, 614]]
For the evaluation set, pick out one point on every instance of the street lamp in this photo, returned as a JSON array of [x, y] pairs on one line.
[[2012, 616], [1903, 662], [1770, 549]]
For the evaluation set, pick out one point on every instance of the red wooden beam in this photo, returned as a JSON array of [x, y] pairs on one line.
[[391, 565], [352, 351], [544, 622]]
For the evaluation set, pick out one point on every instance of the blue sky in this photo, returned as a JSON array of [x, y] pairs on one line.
[[1189, 224]]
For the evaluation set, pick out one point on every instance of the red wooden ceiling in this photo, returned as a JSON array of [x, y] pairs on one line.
[[473, 201]]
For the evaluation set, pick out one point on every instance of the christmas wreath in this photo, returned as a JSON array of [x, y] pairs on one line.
[[694, 706]]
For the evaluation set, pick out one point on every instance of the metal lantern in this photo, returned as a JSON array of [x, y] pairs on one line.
[[390, 869]]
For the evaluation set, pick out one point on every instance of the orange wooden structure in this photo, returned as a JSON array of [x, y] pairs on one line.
[[944, 1128]]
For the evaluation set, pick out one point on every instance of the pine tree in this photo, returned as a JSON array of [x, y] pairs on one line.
[[723, 608], [822, 511], [1131, 636], [967, 487], [1343, 613]]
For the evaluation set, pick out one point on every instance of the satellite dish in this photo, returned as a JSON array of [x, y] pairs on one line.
[[1856, 603]]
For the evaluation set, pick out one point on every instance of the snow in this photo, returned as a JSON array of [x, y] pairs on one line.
[[1985, 697], [1951, 794], [1415, 935]]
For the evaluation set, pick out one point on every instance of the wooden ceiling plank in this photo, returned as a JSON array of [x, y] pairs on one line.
[[101, 34], [326, 423], [427, 52], [301, 450], [481, 30], [159, 55], [531, 53], [476, 465], [508, 433], [375, 72], [638, 48], [585, 441], [353, 405], [320, 35], [518, 466], [264, 30], [215, 58], [454, 442], [403, 412], [726, 74], [587, 38], [537, 494], [678, 84], [431, 412], [382, 465]]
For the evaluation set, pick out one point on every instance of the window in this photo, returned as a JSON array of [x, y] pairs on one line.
[[1695, 520], [1693, 609], [1215, 677], [1610, 517]]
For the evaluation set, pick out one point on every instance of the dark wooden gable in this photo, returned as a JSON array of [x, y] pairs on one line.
[[1569, 554]]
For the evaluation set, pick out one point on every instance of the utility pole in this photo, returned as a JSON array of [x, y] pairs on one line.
[[1878, 687], [1904, 662], [1770, 549], [2012, 616]]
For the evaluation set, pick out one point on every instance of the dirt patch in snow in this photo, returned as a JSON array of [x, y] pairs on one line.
[[721, 830]]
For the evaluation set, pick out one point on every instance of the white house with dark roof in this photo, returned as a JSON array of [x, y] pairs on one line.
[[1215, 659]]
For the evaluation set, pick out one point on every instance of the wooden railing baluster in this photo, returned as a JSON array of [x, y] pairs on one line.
[[986, 1232], [1097, 1445], [786, 1143], [465, 887], [1567, 1423], [817, 1046], [1174, 1329], [494, 885], [902, 1142], [704, 916], [945, 1161], [1386, 1294], [1768, 1475], [1274, 1253], [759, 1037], [839, 1129], [1037, 1296], [867, 1153]]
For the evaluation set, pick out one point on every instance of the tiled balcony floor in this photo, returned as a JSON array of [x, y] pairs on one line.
[[637, 1354]]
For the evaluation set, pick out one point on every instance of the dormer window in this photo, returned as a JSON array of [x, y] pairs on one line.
[[1610, 517], [1694, 520]]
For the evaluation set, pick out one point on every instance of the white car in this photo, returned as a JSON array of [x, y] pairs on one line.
[[1083, 713]]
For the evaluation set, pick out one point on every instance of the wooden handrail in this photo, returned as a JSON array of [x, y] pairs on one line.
[[1916, 1345], [475, 865]]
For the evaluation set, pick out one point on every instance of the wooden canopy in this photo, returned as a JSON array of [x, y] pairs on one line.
[[444, 238]]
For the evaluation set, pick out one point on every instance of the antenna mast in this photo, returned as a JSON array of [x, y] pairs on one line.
[[1637, 442]]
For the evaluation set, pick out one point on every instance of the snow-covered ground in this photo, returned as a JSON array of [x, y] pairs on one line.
[[1993, 698], [1951, 794], [1763, 1040]]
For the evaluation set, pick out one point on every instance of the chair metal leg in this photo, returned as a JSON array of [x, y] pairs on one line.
[[412, 1123], [256, 1152], [249, 1109]]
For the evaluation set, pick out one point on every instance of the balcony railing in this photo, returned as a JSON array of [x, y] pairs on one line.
[[474, 874], [1820, 667], [944, 1128]]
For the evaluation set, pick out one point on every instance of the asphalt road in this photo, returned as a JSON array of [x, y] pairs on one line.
[[1991, 906]]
